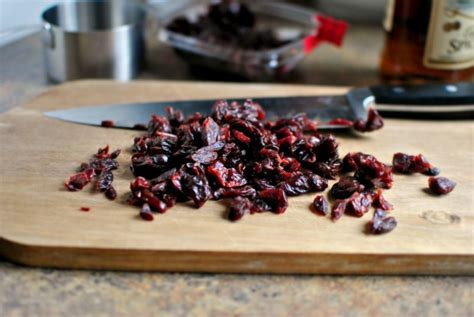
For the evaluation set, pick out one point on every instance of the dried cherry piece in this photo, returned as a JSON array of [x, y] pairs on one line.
[[306, 124], [316, 182], [239, 207], [321, 205], [169, 199], [380, 223], [358, 204], [196, 187], [245, 191], [441, 185], [345, 187], [341, 122], [338, 209], [159, 187], [105, 181], [210, 131], [275, 198], [204, 156], [175, 117], [164, 176], [374, 122], [226, 177], [408, 164], [325, 170], [296, 185], [241, 137], [107, 124], [327, 149], [373, 173], [83, 167], [402, 163], [103, 152], [261, 184], [154, 202], [85, 209], [80, 180], [379, 201], [433, 171], [350, 162], [160, 124], [111, 193], [115, 154], [145, 212], [139, 183], [139, 126], [291, 165], [421, 165]]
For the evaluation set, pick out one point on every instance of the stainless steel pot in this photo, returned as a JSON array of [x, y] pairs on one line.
[[93, 39]]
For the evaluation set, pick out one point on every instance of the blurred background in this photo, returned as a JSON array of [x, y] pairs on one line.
[[366, 53], [18, 13]]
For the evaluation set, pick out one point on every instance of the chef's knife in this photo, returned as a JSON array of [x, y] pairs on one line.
[[429, 101]]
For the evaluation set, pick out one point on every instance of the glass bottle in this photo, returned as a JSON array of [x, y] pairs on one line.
[[429, 39]]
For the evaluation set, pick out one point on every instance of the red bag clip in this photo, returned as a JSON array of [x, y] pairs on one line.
[[328, 30]]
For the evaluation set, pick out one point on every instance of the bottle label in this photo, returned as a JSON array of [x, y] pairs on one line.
[[389, 12], [450, 40]]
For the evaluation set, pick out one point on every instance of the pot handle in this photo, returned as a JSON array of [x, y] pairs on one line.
[[48, 36]]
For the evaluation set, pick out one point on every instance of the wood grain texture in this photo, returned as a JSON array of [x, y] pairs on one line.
[[40, 222]]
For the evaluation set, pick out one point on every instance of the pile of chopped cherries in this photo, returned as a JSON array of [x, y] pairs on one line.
[[100, 168], [234, 154]]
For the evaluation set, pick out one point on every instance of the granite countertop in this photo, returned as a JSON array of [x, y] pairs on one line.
[[46, 292]]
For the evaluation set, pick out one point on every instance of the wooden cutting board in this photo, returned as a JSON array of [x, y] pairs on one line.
[[41, 225]]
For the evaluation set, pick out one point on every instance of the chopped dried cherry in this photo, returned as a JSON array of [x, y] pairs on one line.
[[78, 181], [341, 122], [380, 223], [105, 181], [100, 166], [275, 198], [408, 164], [345, 187], [107, 124], [379, 201], [244, 191], [321, 205], [226, 177], [239, 207], [196, 187], [358, 204], [210, 131], [296, 185], [145, 213], [111, 193], [204, 156], [441, 185], [374, 122], [338, 209]]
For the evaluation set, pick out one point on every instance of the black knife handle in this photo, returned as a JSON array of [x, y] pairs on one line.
[[425, 94]]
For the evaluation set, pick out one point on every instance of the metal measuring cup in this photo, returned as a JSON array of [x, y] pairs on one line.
[[93, 39]]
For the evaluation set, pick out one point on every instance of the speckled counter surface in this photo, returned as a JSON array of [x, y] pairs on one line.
[[44, 292]]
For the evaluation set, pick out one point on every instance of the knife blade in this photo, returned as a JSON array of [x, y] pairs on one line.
[[419, 101]]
